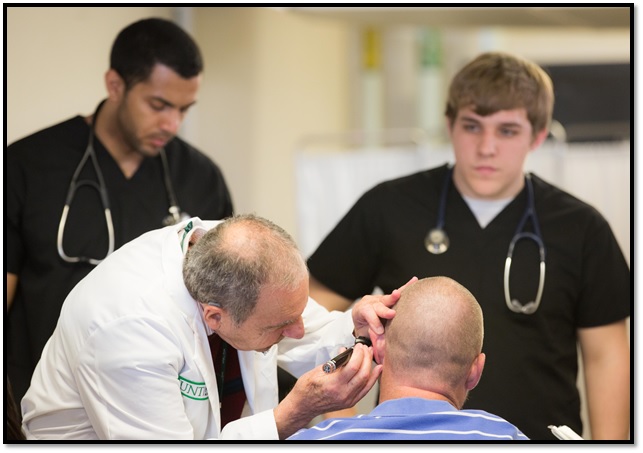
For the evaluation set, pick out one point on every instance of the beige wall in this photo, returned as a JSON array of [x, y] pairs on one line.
[[270, 78], [56, 59]]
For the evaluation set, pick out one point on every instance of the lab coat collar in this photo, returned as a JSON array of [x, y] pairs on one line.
[[172, 256], [203, 360], [259, 373]]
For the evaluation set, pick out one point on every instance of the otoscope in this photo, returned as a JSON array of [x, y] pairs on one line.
[[341, 359]]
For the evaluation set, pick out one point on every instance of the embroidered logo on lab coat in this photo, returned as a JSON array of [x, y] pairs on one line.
[[193, 390]]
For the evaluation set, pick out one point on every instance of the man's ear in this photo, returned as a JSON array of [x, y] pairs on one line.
[[378, 349], [475, 372], [539, 138], [449, 123], [197, 234], [115, 85], [212, 313]]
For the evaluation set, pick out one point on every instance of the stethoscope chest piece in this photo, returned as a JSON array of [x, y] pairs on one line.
[[436, 241]]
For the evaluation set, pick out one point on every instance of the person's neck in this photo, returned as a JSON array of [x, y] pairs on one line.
[[392, 388], [466, 190], [111, 136]]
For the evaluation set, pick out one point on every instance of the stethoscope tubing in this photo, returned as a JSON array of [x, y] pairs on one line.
[[174, 216], [437, 242], [513, 304], [101, 187], [175, 211]]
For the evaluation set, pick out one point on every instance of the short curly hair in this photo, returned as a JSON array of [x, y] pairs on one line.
[[145, 43]]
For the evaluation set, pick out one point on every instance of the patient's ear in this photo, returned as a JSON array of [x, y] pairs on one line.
[[378, 349], [475, 372]]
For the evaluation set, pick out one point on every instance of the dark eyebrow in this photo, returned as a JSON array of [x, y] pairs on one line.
[[469, 118], [511, 124], [169, 104], [475, 120]]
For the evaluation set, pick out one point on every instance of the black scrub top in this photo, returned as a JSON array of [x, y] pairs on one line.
[[38, 172], [531, 365]]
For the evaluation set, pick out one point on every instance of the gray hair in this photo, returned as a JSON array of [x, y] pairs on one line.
[[234, 261]]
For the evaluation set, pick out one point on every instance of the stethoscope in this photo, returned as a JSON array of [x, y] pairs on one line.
[[437, 242], [175, 214]]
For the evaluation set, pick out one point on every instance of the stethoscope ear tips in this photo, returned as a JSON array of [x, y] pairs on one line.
[[436, 241]]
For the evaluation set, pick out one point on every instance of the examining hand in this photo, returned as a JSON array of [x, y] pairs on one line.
[[317, 392], [369, 312]]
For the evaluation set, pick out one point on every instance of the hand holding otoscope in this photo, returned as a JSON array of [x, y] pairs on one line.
[[383, 315], [341, 359]]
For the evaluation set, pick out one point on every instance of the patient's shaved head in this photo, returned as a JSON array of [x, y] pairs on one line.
[[437, 331]]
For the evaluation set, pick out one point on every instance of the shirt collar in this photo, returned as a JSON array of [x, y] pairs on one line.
[[410, 406]]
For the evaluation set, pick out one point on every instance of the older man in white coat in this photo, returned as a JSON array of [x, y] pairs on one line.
[[130, 357]]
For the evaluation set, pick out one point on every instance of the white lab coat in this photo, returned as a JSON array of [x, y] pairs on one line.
[[130, 358]]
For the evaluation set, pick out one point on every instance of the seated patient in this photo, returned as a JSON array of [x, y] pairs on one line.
[[431, 359]]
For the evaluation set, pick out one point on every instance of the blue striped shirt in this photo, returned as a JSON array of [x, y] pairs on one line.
[[414, 419]]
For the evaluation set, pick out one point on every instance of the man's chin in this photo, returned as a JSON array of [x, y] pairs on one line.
[[150, 151], [265, 350]]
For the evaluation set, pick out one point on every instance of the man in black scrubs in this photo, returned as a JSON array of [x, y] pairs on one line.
[[498, 111], [152, 82]]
